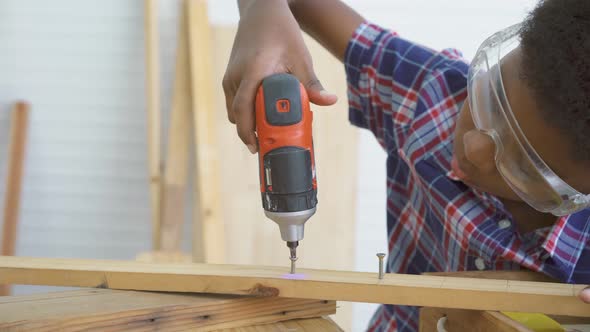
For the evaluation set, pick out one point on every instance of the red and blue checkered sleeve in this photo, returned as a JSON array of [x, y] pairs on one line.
[[384, 74]]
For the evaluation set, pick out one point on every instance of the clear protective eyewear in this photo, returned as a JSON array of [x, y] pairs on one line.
[[518, 163]]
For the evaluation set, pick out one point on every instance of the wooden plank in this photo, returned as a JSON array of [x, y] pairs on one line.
[[176, 168], [208, 228], [108, 310], [14, 176], [320, 324], [523, 275], [468, 320], [416, 290], [153, 115]]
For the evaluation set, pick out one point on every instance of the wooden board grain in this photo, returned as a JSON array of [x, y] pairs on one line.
[[110, 310], [417, 290]]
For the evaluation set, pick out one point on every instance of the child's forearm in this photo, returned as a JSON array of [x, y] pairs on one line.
[[330, 22]]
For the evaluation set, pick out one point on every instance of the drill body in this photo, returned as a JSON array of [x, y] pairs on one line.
[[286, 157]]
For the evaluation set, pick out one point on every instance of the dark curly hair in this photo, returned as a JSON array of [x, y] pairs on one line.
[[555, 43]]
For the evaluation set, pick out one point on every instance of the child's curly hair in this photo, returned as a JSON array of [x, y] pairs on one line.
[[555, 41]]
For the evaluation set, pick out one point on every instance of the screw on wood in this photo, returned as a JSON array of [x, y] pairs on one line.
[[381, 256]]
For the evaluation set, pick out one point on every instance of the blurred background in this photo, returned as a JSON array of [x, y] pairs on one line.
[[81, 66]]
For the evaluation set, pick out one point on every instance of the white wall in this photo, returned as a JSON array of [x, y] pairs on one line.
[[80, 63]]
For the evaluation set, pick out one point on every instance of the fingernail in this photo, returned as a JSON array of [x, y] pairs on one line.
[[326, 93], [252, 148]]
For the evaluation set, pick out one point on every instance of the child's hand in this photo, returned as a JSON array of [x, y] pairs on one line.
[[268, 41], [585, 295]]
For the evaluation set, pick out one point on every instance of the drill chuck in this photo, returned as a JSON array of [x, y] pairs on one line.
[[291, 224]]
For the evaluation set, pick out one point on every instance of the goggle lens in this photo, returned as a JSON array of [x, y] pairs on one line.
[[512, 162]]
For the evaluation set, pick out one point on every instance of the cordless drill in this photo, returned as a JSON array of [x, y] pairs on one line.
[[286, 159]]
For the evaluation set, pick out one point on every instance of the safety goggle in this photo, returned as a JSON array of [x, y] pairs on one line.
[[518, 163]]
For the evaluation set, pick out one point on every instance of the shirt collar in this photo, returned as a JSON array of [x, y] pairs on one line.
[[566, 241]]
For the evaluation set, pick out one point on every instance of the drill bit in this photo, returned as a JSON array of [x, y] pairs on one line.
[[293, 257]]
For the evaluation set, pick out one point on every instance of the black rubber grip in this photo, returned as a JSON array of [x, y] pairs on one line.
[[289, 202], [289, 169], [289, 180]]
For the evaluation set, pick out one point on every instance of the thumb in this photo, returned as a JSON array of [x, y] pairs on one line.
[[315, 91], [584, 295]]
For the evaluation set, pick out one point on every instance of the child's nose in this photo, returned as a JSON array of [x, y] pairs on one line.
[[480, 150]]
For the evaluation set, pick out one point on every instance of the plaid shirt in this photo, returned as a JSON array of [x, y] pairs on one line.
[[409, 96]]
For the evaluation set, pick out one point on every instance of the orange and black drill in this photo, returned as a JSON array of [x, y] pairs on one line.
[[286, 159]]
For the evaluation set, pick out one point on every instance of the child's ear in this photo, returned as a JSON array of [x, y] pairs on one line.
[[480, 150]]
